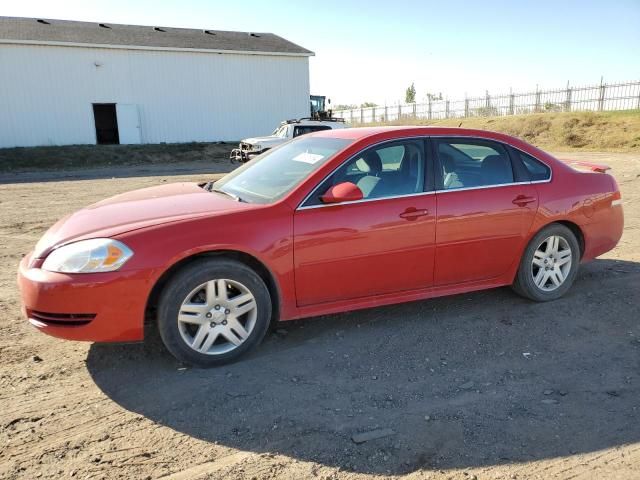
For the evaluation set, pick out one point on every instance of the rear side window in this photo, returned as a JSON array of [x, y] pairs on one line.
[[537, 170], [304, 129], [473, 163]]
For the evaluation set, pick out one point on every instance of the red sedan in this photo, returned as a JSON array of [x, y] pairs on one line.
[[333, 221]]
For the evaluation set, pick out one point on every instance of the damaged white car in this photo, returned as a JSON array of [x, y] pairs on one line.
[[250, 147]]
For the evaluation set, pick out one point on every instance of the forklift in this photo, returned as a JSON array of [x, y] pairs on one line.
[[319, 110]]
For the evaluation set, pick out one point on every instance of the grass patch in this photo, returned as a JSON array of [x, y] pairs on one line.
[[579, 131], [92, 156], [571, 131]]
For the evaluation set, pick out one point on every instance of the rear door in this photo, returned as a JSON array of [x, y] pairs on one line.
[[382, 244], [485, 210]]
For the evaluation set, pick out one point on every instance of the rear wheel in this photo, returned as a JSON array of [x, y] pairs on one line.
[[213, 311], [549, 265]]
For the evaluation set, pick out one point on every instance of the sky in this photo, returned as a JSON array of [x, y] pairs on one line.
[[373, 50]]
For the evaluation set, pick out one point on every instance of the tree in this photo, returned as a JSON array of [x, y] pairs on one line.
[[344, 107], [410, 94], [368, 104], [433, 96]]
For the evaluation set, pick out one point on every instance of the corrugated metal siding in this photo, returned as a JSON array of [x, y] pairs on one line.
[[46, 93]]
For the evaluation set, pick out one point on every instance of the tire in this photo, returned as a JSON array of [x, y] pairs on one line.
[[213, 311], [530, 281]]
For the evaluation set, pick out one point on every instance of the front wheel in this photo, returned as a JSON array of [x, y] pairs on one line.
[[549, 265], [213, 311]]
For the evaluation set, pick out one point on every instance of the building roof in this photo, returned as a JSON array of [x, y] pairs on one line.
[[113, 35]]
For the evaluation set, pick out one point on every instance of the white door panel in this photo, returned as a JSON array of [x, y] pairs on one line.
[[128, 124]]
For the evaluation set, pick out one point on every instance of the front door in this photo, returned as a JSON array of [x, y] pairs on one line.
[[484, 211], [382, 244]]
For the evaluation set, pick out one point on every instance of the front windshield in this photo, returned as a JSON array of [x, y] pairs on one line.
[[276, 172], [280, 131]]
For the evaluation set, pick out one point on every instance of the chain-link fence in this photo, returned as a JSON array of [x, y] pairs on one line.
[[602, 97]]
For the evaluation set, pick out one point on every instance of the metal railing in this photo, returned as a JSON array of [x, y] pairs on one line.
[[601, 97]]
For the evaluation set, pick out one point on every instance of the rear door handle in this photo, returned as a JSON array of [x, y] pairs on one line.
[[411, 213], [523, 200]]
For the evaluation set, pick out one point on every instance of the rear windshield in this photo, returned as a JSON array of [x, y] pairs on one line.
[[270, 176]]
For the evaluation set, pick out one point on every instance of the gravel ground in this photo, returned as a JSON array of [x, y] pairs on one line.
[[483, 385]]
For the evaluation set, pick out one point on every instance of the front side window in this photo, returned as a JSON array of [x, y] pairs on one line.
[[389, 170], [276, 172], [473, 163], [304, 129], [281, 131]]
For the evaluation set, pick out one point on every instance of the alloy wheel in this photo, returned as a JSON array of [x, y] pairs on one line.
[[551, 263], [217, 316]]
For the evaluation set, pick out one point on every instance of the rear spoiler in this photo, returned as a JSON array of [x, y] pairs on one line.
[[592, 167]]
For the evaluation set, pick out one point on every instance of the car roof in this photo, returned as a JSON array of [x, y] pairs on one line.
[[392, 132], [359, 133]]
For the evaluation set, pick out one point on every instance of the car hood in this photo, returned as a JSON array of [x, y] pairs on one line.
[[267, 141], [134, 210]]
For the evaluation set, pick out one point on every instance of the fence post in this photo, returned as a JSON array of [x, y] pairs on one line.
[[446, 109], [351, 115], [536, 108], [511, 102], [386, 114], [373, 114], [429, 109], [399, 111], [567, 102], [414, 109], [601, 98], [487, 106], [361, 115], [466, 106]]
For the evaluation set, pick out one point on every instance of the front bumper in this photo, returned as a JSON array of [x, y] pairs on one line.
[[97, 307]]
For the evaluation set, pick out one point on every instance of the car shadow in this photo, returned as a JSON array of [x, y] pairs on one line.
[[470, 380]]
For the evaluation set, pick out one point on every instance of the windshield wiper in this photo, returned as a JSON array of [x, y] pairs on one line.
[[209, 188], [230, 195]]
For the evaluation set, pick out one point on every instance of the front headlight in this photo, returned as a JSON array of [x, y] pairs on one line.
[[88, 256], [256, 147]]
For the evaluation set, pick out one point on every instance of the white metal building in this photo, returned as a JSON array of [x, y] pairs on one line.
[[64, 83]]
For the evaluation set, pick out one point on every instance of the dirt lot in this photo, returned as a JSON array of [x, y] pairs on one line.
[[484, 385]]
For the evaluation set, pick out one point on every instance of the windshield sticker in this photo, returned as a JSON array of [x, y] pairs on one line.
[[307, 157]]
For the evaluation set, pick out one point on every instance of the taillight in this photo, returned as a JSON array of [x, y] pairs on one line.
[[616, 198]]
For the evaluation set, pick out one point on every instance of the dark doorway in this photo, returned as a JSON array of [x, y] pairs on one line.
[[106, 123]]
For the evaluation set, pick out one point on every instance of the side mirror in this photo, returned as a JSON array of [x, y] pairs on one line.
[[342, 192]]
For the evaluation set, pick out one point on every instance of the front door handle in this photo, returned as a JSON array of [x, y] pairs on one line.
[[523, 200], [412, 213]]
